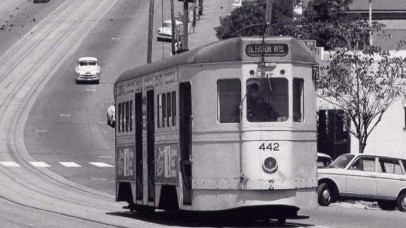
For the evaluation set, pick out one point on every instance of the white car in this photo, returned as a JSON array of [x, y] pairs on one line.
[[366, 177], [164, 33], [87, 70]]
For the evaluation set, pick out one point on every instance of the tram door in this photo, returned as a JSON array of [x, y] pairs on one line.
[[150, 146], [138, 146], [185, 129]]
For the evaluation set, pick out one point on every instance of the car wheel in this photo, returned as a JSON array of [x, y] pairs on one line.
[[387, 205], [325, 194], [402, 201]]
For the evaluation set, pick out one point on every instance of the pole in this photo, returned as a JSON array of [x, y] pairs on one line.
[[174, 36], [185, 46], [370, 22], [150, 27]]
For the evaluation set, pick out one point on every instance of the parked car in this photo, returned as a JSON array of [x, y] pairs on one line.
[[323, 160], [87, 70], [366, 177], [165, 32]]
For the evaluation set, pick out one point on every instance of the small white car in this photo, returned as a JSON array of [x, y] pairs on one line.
[[366, 177], [164, 33], [87, 70]]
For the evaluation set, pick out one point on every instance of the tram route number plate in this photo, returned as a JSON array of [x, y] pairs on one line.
[[269, 146]]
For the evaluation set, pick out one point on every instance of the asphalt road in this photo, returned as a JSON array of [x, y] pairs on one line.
[[46, 118]]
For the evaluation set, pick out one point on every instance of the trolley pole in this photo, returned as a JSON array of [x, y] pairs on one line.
[[150, 27], [185, 46]]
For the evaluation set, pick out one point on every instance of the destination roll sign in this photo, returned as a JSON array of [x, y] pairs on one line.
[[254, 50]]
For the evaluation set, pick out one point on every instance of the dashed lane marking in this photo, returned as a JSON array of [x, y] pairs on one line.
[[9, 164], [100, 164], [40, 164], [70, 164]]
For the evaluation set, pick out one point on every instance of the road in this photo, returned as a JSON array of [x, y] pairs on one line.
[[46, 119]]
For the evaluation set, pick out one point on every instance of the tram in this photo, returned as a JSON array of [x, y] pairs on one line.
[[227, 126]]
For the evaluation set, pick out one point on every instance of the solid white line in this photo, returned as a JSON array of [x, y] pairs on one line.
[[40, 164], [100, 164], [9, 164], [70, 164]]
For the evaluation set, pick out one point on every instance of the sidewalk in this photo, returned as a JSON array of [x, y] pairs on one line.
[[204, 32]]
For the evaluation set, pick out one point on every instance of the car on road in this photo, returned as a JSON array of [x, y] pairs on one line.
[[323, 160], [164, 33], [87, 70], [365, 177]]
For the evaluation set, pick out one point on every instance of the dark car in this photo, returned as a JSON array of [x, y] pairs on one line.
[[323, 160]]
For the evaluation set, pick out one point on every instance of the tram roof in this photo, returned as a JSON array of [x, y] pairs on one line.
[[229, 50]]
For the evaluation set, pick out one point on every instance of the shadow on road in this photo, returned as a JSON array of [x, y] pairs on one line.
[[188, 219]]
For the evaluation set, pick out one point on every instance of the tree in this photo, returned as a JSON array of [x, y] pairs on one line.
[[362, 83], [249, 20]]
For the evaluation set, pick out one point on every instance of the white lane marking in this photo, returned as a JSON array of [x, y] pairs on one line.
[[41, 131], [105, 156], [9, 164], [100, 164], [70, 164], [91, 90], [65, 115], [40, 164]]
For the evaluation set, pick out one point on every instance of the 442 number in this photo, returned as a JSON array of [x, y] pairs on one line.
[[272, 146]]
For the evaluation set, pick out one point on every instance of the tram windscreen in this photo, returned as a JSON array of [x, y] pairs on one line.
[[267, 100]]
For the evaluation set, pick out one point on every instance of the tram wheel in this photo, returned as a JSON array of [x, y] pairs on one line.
[[325, 194]]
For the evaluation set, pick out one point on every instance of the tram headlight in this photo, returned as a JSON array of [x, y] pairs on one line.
[[269, 165]]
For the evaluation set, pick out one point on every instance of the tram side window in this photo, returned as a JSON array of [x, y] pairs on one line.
[[298, 100], [228, 100], [125, 116], [166, 109], [119, 117]]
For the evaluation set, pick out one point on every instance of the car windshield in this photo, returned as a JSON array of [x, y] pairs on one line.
[[87, 63], [342, 161]]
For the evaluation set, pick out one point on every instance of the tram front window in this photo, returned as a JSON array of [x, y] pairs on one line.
[[267, 100]]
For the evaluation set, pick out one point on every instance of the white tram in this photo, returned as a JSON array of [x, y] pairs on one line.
[[227, 126]]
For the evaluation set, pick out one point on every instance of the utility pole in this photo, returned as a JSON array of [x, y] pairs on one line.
[[370, 22], [174, 36], [150, 27], [185, 46]]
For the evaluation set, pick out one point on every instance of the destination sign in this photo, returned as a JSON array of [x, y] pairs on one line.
[[254, 50]]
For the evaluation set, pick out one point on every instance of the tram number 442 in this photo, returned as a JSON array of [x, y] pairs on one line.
[[272, 146]]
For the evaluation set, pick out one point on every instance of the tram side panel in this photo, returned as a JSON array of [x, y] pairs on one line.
[[215, 150]]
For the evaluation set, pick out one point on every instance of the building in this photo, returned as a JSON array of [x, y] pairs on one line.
[[389, 137]]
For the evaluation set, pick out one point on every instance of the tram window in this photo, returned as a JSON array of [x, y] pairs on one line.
[[298, 100], [127, 116], [173, 109], [267, 100], [159, 108], [164, 110], [169, 109], [131, 116], [228, 100], [122, 117], [119, 117]]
